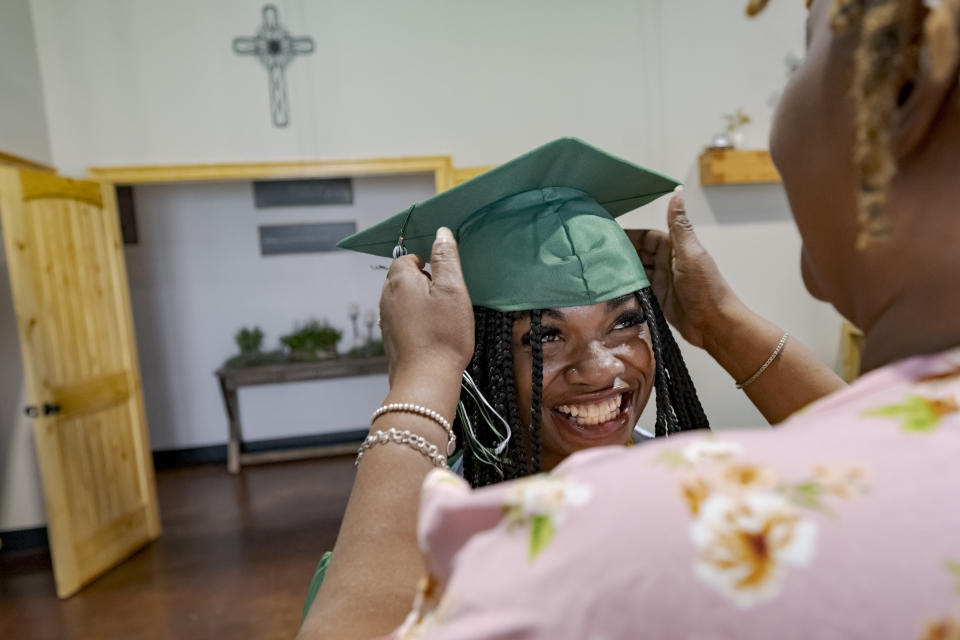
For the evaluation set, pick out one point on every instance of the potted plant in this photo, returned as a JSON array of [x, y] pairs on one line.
[[732, 137], [367, 350], [250, 342], [312, 341]]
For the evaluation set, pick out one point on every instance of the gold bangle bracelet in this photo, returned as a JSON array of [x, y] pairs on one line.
[[773, 356]]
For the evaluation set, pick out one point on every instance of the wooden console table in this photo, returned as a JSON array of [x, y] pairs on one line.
[[232, 379]]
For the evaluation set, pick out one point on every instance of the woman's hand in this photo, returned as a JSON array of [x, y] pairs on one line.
[[702, 306], [427, 319], [428, 336], [694, 296]]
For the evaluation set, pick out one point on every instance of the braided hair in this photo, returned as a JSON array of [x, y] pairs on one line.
[[677, 404]]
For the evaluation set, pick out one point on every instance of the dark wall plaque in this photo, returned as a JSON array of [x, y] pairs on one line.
[[303, 238], [298, 193], [128, 214]]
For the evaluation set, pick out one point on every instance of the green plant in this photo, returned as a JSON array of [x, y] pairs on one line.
[[736, 120], [308, 339], [368, 350], [249, 340]]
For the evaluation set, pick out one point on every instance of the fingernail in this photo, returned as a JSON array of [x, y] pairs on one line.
[[444, 235], [679, 189]]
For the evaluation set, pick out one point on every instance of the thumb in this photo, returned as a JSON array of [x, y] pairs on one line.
[[682, 236], [445, 261]]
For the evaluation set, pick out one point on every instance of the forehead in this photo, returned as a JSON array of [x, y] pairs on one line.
[[628, 301]]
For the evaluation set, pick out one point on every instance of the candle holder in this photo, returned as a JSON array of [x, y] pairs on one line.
[[353, 310], [370, 319]]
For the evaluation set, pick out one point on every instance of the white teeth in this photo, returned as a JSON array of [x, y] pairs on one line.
[[590, 414]]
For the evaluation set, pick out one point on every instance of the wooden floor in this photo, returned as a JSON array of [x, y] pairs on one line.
[[235, 560]]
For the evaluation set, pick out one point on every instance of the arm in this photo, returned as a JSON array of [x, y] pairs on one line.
[[376, 563], [702, 306], [741, 341]]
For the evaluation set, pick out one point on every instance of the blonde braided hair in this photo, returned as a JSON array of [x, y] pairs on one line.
[[883, 50]]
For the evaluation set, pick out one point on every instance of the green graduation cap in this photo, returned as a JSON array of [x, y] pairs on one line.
[[538, 232]]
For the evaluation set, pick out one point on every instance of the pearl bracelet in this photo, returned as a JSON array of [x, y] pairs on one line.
[[423, 411], [405, 437]]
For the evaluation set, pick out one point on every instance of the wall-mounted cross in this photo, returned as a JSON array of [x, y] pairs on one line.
[[275, 48]]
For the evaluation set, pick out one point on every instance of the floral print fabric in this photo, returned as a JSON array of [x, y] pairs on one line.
[[844, 522]]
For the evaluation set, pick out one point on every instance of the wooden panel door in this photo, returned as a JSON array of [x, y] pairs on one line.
[[72, 303]]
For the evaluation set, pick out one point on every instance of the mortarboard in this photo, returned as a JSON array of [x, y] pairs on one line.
[[538, 232]]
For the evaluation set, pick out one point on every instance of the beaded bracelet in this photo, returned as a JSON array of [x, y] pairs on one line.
[[423, 411], [404, 437]]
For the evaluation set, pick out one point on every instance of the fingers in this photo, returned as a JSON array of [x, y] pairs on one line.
[[654, 242], [662, 269], [444, 265], [445, 261], [404, 266], [646, 242], [636, 237], [682, 235]]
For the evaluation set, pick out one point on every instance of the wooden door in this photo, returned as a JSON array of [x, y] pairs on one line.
[[72, 303]]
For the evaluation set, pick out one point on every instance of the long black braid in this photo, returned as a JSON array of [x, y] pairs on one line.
[[512, 412], [536, 398], [682, 410], [678, 407]]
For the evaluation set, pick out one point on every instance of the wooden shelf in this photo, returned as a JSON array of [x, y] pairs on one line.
[[440, 166], [737, 166], [232, 379], [851, 346], [339, 367], [468, 173], [10, 160]]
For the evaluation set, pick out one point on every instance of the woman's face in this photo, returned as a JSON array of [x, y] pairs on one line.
[[812, 145], [598, 370]]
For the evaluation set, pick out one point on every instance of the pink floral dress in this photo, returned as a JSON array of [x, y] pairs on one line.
[[842, 523]]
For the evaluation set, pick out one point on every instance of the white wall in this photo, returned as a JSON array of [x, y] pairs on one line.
[[151, 82], [23, 124], [21, 499], [23, 132], [145, 82], [197, 276]]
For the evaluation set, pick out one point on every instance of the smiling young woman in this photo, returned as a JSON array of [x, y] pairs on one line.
[[569, 337], [591, 369], [570, 340], [598, 370]]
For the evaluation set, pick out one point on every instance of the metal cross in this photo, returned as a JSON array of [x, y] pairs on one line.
[[276, 48]]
